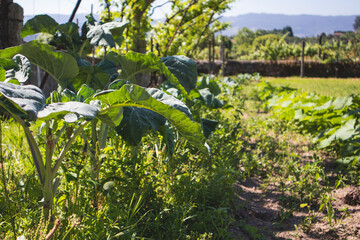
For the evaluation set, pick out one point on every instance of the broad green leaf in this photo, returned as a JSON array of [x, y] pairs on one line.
[[173, 92], [136, 121], [24, 101], [23, 71], [343, 133], [66, 36], [101, 34], [341, 102], [96, 77], [229, 82], [13, 81], [136, 96], [184, 69], [110, 116], [117, 84], [67, 96], [61, 66], [346, 131], [84, 93], [169, 100], [209, 99], [92, 76], [39, 24], [300, 115], [59, 110], [108, 186], [208, 82], [117, 34], [8, 64], [113, 57], [325, 106], [208, 126], [168, 138], [287, 103], [134, 63], [107, 66]]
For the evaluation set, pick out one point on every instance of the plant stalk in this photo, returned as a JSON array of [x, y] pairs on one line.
[[48, 183], [5, 185]]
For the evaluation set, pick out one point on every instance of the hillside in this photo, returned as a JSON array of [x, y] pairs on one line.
[[302, 25]]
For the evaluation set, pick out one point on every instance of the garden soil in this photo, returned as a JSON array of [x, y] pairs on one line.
[[258, 212]]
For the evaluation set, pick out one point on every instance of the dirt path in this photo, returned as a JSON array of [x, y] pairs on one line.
[[262, 211], [259, 213]]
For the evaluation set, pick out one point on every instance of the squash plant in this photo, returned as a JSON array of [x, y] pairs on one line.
[[27, 103], [102, 96]]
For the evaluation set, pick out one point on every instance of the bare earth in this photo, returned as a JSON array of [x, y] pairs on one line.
[[258, 209], [261, 208]]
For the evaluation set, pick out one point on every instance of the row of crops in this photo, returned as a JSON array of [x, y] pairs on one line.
[[103, 157], [332, 121]]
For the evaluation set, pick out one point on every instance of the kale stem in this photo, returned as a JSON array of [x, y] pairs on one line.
[[5, 185]]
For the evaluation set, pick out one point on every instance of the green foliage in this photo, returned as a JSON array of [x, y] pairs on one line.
[[180, 73], [61, 66], [280, 44], [184, 30], [333, 121], [144, 180], [101, 34], [21, 72], [184, 69], [25, 101], [39, 24]]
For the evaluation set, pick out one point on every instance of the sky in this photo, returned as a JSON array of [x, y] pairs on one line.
[[290, 7]]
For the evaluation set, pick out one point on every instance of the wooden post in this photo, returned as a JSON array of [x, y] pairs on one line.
[[213, 55], [222, 56], [302, 59], [151, 45], [320, 42], [209, 66]]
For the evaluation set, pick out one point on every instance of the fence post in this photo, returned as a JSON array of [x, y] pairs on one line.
[[222, 56], [213, 54], [302, 59], [209, 66], [320, 42]]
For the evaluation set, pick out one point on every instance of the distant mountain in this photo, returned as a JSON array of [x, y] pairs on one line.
[[302, 25]]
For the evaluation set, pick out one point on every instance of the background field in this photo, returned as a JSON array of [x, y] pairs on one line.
[[333, 87]]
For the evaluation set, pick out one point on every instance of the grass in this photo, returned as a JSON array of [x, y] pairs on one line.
[[150, 196], [287, 161], [333, 87]]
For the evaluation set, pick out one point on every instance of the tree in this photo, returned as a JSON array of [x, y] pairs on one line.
[[243, 41], [189, 24], [357, 23], [134, 11], [288, 30]]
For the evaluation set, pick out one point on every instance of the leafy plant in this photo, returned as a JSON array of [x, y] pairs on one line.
[[332, 121]]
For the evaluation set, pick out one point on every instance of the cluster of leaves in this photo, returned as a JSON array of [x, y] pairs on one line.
[[279, 44], [184, 30], [332, 120], [113, 115]]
